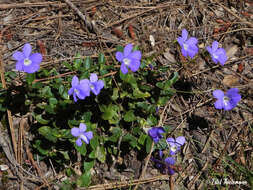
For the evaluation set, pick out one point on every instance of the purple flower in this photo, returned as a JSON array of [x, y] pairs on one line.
[[217, 54], [175, 144], [227, 101], [94, 84], [26, 61], [164, 166], [170, 161], [81, 134], [188, 47], [129, 59], [78, 89], [156, 133]]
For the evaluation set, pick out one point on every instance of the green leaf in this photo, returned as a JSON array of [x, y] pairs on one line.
[[77, 62], [86, 116], [101, 58], [110, 113], [82, 149], [172, 81], [129, 116], [65, 155], [84, 180], [87, 63], [116, 133], [46, 131], [120, 48], [94, 142], [30, 78], [38, 145], [149, 142], [151, 121], [41, 120], [100, 154], [138, 94], [115, 94], [53, 101], [88, 165], [46, 92], [131, 139], [67, 65], [142, 139]]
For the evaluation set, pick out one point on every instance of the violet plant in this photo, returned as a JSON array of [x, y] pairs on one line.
[[124, 102]]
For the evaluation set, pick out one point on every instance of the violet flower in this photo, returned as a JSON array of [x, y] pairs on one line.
[[78, 89], [164, 165], [175, 144], [227, 101], [26, 61], [188, 47], [81, 134], [156, 133], [94, 84], [129, 59], [217, 54]]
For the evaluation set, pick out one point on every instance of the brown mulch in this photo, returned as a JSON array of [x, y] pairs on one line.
[[59, 32]]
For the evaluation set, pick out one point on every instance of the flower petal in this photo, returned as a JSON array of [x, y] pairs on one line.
[[27, 49], [218, 94], [209, 49], [170, 160], [93, 77], [84, 87], [119, 56], [215, 46], [85, 139], [127, 50], [123, 68], [171, 141], [36, 58], [219, 104], [89, 135], [18, 55], [74, 96], [135, 55], [19, 65], [97, 87], [184, 34], [70, 91], [180, 40], [82, 127], [153, 132], [75, 81], [75, 131], [31, 68], [192, 41], [184, 52], [180, 140], [134, 65], [79, 142]]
